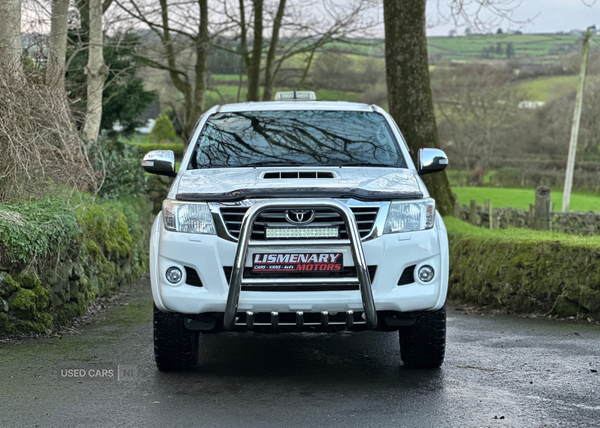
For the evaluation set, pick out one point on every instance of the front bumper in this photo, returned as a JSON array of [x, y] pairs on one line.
[[209, 254]]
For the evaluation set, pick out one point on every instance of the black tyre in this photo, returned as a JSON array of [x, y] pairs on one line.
[[175, 347], [423, 345]]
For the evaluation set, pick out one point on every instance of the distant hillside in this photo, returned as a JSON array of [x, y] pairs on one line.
[[537, 48], [541, 48]]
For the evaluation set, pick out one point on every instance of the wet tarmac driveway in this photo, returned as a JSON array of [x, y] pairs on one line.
[[499, 372]]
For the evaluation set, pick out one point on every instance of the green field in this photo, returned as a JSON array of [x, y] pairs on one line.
[[136, 139], [521, 198], [224, 94], [539, 48], [552, 87], [459, 177], [232, 78]]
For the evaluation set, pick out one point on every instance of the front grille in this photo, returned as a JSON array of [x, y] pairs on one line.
[[324, 217], [347, 272]]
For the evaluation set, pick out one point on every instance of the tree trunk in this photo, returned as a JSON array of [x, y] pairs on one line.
[[57, 43], [244, 48], [409, 92], [307, 68], [10, 36], [96, 71], [269, 75], [202, 44], [254, 62], [83, 6]]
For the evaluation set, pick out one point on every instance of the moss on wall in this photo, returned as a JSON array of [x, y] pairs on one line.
[[519, 270], [103, 248]]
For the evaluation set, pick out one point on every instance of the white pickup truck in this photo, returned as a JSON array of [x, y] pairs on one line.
[[298, 215]]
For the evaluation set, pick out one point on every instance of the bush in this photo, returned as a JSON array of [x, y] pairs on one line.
[[39, 143], [57, 256], [524, 271], [163, 130], [30, 232], [121, 166], [147, 147]]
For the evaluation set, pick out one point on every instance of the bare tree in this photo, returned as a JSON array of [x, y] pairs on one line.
[[39, 142], [409, 92], [10, 36], [479, 108], [96, 72], [589, 139], [182, 31], [479, 15], [84, 15], [307, 25], [271, 53], [184, 34], [57, 43], [253, 60]]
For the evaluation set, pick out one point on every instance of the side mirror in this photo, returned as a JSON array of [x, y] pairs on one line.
[[161, 162], [431, 160]]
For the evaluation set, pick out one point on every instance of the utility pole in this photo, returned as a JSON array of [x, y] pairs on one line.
[[576, 120]]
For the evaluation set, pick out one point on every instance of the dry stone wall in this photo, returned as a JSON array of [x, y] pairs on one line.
[[578, 223]]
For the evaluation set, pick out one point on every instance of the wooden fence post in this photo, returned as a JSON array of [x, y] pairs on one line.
[[488, 208], [542, 219], [473, 216]]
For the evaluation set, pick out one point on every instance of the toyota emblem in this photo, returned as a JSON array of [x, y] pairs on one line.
[[300, 217]]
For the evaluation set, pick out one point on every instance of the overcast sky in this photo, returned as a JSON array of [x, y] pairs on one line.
[[547, 16]]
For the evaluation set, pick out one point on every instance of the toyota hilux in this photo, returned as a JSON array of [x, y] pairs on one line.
[[298, 215]]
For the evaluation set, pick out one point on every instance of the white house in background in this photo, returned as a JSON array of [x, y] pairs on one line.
[[531, 104], [147, 128]]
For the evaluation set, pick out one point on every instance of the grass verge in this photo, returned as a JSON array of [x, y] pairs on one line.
[[524, 271]]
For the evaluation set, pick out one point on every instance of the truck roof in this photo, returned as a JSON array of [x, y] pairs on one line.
[[295, 105]]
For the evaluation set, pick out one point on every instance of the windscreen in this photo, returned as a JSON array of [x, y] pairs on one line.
[[306, 138]]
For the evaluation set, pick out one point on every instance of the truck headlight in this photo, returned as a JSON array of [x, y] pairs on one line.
[[410, 216], [188, 217]]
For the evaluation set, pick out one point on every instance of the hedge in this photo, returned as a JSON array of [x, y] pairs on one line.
[[57, 256], [147, 147], [524, 271]]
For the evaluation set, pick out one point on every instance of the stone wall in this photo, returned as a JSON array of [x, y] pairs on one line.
[[524, 271], [579, 223], [109, 249], [158, 189]]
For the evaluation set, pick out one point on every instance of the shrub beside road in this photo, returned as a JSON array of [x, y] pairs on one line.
[[58, 255], [524, 271]]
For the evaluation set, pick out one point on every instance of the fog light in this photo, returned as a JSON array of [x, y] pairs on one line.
[[174, 275], [426, 273]]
